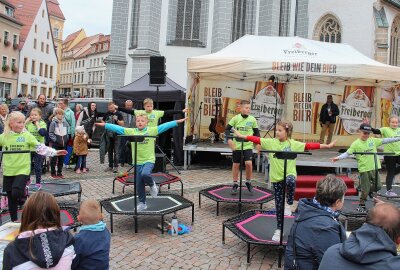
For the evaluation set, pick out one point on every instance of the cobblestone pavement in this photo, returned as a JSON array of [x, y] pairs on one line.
[[200, 249]]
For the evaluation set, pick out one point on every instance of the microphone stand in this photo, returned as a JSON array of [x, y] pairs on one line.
[[275, 110]]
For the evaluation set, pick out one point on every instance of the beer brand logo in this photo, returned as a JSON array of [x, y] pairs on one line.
[[356, 107], [263, 105], [299, 49]]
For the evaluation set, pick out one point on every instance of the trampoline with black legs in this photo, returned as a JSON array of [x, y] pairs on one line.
[[161, 205], [68, 216], [256, 227], [161, 179], [58, 188], [222, 193]]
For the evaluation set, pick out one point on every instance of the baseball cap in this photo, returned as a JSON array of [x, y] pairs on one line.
[[366, 128], [22, 101]]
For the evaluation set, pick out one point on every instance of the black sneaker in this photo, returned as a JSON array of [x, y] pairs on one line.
[[235, 189], [371, 195], [362, 209], [249, 186]]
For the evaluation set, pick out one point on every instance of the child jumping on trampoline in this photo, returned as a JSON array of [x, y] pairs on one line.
[[283, 142], [17, 167], [153, 116], [370, 184], [247, 125], [145, 152], [38, 128]]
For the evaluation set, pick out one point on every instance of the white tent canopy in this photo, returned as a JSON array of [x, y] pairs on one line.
[[256, 55]]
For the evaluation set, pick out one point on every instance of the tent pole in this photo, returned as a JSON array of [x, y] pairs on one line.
[[304, 102]]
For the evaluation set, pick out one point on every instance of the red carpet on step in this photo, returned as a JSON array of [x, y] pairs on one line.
[[306, 185]]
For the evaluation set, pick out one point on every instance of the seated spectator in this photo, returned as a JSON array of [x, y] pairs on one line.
[[373, 246], [41, 243], [316, 228], [92, 243]]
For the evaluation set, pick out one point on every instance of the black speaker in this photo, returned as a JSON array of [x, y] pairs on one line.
[[161, 163], [157, 70]]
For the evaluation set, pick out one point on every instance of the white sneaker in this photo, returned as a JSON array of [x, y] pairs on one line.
[[288, 210], [154, 190], [141, 206], [277, 235]]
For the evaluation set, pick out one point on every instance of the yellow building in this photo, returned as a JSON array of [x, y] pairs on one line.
[[10, 29], [57, 20]]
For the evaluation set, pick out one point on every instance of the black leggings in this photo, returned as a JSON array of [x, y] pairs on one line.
[[15, 187], [392, 169]]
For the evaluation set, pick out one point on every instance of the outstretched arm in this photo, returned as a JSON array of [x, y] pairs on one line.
[[111, 127], [390, 140], [342, 156], [164, 127], [44, 150]]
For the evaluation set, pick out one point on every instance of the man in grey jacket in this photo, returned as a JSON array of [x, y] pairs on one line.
[[125, 155], [373, 246]]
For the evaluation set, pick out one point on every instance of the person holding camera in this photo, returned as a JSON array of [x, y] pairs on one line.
[[112, 116]]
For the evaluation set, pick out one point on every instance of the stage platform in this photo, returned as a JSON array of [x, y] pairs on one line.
[[319, 158]]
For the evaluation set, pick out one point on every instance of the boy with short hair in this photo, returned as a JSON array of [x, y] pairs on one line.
[[366, 163], [145, 152], [58, 137], [246, 125], [92, 243], [153, 115]]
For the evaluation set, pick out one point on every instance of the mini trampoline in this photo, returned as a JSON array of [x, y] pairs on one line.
[[161, 205], [222, 193], [161, 179], [68, 217], [59, 188], [256, 227], [395, 188]]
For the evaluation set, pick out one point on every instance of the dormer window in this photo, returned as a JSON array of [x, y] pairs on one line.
[[10, 11]]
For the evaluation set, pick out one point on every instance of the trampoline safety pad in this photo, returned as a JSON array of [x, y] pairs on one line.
[[225, 193], [157, 204], [59, 188]]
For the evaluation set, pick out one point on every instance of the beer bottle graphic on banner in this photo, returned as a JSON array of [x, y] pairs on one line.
[[265, 98], [357, 104]]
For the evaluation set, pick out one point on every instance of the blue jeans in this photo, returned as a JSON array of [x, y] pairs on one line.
[[143, 178], [81, 163]]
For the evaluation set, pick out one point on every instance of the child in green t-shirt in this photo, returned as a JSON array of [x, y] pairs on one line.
[[153, 116], [38, 128], [247, 125], [17, 167], [283, 142], [145, 152], [366, 163]]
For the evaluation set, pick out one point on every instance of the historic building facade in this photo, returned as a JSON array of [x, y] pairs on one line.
[[178, 29]]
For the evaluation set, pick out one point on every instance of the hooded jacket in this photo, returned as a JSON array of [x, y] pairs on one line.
[[316, 231], [58, 133], [367, 248], [41, 249]]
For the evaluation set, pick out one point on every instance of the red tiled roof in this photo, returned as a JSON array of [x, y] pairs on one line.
[[54, 9], [72, 36], [25, 12]]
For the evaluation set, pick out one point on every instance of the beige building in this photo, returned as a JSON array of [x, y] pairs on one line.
[[57, 20], [10, 29]]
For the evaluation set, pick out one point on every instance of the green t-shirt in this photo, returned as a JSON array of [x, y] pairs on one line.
[[388, 132], [245, 127], [16, 164], [276, 166], [153, 117], [32, 128], [365, 162], [145, 151]]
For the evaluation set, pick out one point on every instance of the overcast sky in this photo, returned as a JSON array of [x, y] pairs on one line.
[[92, 15]]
